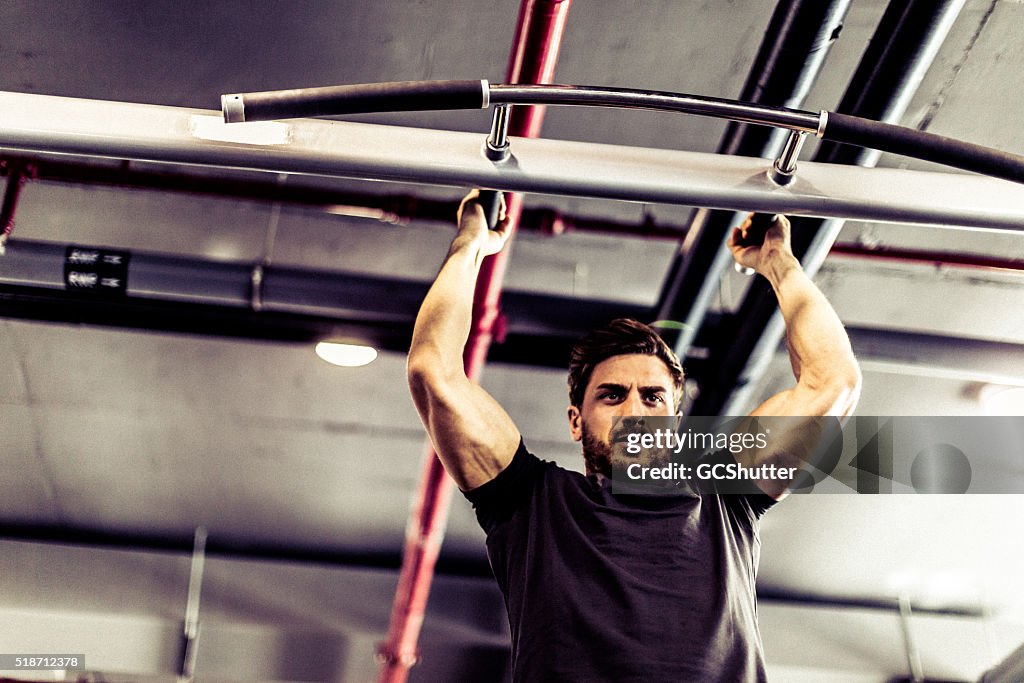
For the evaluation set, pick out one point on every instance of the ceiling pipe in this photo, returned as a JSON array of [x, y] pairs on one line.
[[938, 259], [538, 37], [403, 209], [18, 173], [474, 566], [789, 60], [301, 299], [1009, 670], [394, 209], [901, 50], [179, 294]]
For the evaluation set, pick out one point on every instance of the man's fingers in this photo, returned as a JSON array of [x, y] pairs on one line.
[[479, 199], [471, 204], [736, 238]]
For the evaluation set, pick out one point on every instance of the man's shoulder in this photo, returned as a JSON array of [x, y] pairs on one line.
[[524, 472]]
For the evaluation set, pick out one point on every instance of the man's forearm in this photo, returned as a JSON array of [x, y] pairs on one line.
[[471, 433], [443, 323], [819, 347], [828, 378]]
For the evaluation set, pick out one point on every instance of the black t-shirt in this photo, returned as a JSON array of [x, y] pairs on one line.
[[624, 588]]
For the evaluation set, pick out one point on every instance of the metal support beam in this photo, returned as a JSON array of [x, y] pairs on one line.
[[43, 124], [929, 355]]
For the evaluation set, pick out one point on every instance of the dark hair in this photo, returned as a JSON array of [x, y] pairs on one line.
[[619, 337]]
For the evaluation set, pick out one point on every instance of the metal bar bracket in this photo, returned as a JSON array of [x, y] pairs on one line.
[[190, 632], [783, 170], [497, 148]]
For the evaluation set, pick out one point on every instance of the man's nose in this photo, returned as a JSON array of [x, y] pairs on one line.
[[634, 409]]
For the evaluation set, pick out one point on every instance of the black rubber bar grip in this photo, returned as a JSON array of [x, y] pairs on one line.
[[355, 99], [759, 226], [490, 202], [853, 130]]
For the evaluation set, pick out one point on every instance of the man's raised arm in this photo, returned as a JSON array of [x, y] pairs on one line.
[[828, 376], [472, 434]]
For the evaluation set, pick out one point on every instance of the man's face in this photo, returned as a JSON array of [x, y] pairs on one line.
[[634, 385]]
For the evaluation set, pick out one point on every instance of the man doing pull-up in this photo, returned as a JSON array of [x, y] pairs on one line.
[[599, 586]]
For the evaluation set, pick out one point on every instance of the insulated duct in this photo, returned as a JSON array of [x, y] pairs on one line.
[[792, 53], [903, 47]]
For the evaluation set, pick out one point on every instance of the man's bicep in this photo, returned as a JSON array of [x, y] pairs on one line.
[[472, 434], [803, 401]]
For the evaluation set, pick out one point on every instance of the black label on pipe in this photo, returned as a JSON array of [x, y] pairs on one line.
[[96, 272]]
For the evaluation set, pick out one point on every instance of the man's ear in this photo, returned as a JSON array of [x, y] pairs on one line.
[[575, 423]]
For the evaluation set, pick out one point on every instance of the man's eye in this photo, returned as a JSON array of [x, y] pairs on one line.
[[610, 396], [656, 398]]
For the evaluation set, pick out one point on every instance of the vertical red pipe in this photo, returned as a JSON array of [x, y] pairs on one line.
[[533, 58], [534, 54], [18, 174]]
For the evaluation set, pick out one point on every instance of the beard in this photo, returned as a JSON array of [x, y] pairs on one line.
[[597, 453], [603, 456], [608, 456]]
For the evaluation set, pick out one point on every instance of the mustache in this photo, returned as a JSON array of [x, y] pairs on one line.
[[626, 427], [622, 432]]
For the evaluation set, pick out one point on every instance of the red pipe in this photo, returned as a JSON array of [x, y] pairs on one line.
[[404, 208], [535, 51], [399, 209], [18, 173], [534, 55], [939, 259]]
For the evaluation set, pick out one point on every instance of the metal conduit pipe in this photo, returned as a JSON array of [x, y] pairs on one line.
[[387, 560], [900, 52], [195, 296], [788, 62], [938, 259], [316, 300], [536, 44]]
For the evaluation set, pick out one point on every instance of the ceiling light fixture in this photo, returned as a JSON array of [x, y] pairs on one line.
[[346, 355], [1002, 400]]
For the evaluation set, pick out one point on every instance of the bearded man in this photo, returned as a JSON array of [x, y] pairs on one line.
[[602, 586]]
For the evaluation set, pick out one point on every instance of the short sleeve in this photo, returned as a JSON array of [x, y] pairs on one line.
[[497, 500], [756, 501]]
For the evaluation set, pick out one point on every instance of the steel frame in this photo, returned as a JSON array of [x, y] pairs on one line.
[[42, 124]]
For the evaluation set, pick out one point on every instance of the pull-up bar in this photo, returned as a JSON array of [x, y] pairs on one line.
[[93, 128], [448, 95]]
